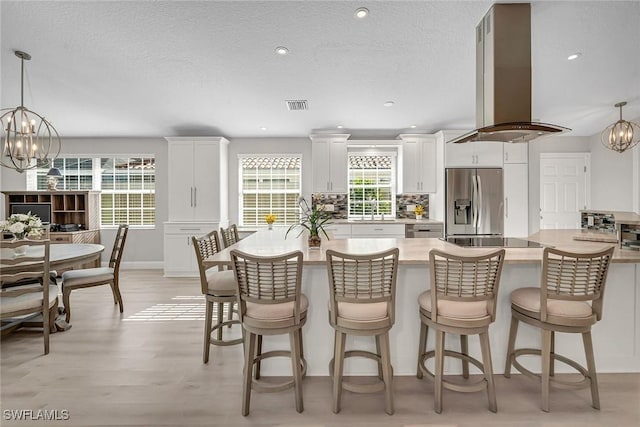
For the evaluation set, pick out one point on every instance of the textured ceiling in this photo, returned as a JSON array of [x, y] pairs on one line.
[[154, 68]]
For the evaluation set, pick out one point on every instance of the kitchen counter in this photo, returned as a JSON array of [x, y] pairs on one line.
[[386, 221], [616, 337]]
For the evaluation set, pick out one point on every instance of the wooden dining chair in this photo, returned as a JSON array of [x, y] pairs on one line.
[[38, 298], [89, 277], [230, 235]]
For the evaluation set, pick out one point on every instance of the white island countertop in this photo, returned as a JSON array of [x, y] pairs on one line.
[[412, 251]]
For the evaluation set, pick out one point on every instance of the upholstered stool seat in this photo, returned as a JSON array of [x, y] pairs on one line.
[[270, 302], [461, 301], [362, 302], [568, 300], [221, 283]]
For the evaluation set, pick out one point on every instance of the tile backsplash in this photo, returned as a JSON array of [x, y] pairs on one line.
[[340, 204]]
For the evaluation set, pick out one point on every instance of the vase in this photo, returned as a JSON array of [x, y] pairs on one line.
[[270, 226], [418, 216], [19, 250], [314, 242]]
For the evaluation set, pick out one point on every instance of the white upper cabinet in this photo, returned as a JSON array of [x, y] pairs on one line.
[[474, 154], [329, 163], [516, 152], [418, 163], [198, 179]]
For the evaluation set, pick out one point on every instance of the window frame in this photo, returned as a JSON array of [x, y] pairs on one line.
[[393, 186]]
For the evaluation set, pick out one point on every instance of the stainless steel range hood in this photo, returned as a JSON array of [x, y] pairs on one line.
[[503, 78]]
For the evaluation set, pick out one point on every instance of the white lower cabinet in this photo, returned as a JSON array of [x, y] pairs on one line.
[[179, 254], [377, 230], [338, 231], [516, 199]]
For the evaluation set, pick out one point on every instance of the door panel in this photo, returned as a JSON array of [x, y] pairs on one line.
[[460, 184], [563, 189], [490, 201]]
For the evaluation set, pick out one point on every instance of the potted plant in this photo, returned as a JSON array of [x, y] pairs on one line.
[[313, 219], [419, 210], [270, 219], [22, 225]]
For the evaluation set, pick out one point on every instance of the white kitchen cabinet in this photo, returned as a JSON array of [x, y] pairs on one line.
[[418, 163], [516, 199], [338, 231], [197, 181], [516, 152], [381, 230], [329, 163], [179, 254], [474, 154]]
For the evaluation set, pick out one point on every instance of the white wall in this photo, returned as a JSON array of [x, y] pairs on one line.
[[143, 245], [611, 178], [266, 146]]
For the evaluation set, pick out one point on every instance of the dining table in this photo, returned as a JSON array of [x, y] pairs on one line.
[[62, 256]]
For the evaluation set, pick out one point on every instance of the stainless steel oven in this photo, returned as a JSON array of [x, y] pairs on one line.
[[423, 230]]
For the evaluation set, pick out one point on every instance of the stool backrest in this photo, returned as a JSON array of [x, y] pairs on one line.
[[268, 280], [576, 276], [205, 246], [118, 248], [366, 278], [465, 278], [230, 235]]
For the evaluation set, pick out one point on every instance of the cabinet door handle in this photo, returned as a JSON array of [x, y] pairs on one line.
[[195, 197], [506, 207], [331, 185], [506, 156], [189, 229], [191, 192]]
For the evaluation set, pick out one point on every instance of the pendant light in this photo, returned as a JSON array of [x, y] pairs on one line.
[[28, 139], [621, 135]]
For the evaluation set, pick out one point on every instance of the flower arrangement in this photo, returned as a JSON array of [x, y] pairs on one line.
[[312, 219], [270, 218], [22, 225], [419, 210]]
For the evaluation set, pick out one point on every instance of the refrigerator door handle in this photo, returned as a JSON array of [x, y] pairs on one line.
[[474, 198], [480, 202]]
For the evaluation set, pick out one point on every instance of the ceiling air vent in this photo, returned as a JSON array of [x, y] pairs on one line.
[[297, 104]]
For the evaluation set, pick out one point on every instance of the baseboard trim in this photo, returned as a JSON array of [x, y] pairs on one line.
[[139, 265]]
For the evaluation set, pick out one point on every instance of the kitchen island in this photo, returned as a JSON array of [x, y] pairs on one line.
[[616, 337]]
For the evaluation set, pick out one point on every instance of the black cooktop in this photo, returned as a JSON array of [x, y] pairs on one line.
[[491, 242]]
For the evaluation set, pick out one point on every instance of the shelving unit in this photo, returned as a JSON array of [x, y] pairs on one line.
[[67, 207]]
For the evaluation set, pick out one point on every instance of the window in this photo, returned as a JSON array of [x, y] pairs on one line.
[[269, 184], [371, 184], [127, 185]]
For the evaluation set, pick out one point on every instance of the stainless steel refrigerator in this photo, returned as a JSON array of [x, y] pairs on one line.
[[474, 202]]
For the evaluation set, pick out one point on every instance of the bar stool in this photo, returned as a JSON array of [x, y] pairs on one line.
[[270, 302], [362, 302], [218, 287], [229, 235], [570, 280], [461, 301]]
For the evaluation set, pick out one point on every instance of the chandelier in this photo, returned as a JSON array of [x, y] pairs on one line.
[[621, 135], [28, 139]]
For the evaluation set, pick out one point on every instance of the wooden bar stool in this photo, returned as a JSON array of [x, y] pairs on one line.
[[461, 301], [362, 302], [270, 302], [570, 280], [218, 287]]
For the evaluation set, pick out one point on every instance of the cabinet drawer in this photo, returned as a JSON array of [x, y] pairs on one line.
[[61, 238], [195, 229], [338, 231], [387, 230]]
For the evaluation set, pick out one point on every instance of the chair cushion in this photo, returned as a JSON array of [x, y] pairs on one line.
[[363, 312], [529, 299], [281, 311], [455, 309], [83, 276], [221, 283], [26, 301]]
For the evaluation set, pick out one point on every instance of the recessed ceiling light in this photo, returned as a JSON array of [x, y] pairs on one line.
[[281, 50], [361, 12], [389, 104], [263, 128], [574, 56], [412, 126], [340, 126]]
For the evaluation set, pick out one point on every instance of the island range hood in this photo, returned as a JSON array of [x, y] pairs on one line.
[[503, 78]]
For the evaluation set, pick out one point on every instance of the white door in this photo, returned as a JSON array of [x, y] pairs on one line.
[[564, 189], [181, 181], [206, 166]]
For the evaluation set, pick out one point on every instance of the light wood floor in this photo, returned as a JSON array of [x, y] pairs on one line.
[[145, 369]]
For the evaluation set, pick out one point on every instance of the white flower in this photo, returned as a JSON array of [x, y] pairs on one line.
[[17, 227], [21, 217]]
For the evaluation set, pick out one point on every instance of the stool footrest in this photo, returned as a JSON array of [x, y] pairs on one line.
[[360, 388], [471, 386], [269, 387], [215, 341], [556, 382]]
